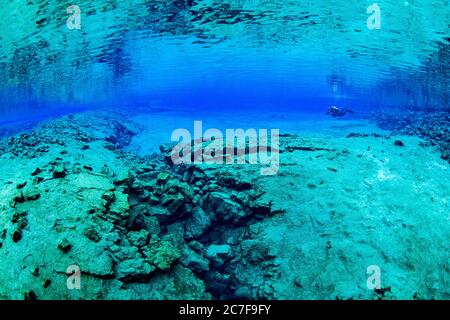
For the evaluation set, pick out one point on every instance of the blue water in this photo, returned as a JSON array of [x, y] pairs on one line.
[[95, 189], [215, 55]]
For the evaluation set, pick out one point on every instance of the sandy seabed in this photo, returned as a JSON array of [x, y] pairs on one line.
[[94, 190]]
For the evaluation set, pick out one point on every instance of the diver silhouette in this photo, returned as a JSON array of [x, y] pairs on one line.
[[336, 112]]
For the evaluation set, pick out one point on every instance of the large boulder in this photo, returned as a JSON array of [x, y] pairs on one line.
[[162, 253], [197, 224], [194, 261], [133, 270], [224, 208]]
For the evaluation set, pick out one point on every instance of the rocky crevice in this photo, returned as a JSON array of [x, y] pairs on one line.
[[138, 221]]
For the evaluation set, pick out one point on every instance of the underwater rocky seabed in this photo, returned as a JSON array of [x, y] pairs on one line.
[[141, 228]]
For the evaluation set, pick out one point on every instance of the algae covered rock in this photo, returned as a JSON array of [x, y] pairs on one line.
[[162, 253], [138, 238], [127, 222]]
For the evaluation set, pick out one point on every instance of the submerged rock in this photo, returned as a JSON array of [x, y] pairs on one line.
[[232, 182], [92, 234], [224, 208], [128, 222], [138, 238], [124, 177], [194, 261], [218, 254], [134, 269], [64, 245], [59, 172], [197, 224], [162, 253]]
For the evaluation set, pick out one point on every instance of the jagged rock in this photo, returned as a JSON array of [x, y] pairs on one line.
[[196, 225], [124, 213], [99, 265], [152, 225], [244, 293], [136, 220], [119, 209], [124, 177], [21, 185], [219, 253], [145, 221], [194, 261], [109, 196], [162, 253], [153, 200], [197, 247], [134, 269], [218, 283], [59, 172], [232, 182], [173, 202], [64, 245], [163, 178], [32, 195], [185, 189], [224, 208], [261, 208], [163, 214], [143, 196], [36, 171], [194, 175], [92, 234], [138, 238]]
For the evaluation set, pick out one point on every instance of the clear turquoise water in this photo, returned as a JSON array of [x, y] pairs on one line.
[[347, 201], [204, 54]]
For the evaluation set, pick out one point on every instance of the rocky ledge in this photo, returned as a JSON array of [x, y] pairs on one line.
[[135, 227], [434, 127]]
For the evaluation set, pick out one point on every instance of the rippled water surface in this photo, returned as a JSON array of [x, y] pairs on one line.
[[207, 54]]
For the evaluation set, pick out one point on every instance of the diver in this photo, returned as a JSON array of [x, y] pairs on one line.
[[336, 112]]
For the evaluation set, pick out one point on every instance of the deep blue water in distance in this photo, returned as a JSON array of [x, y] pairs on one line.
[[202, 55]]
